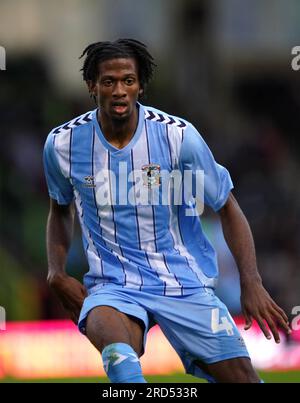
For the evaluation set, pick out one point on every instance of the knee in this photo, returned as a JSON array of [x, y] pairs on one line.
[[105, 326], [95, 332]]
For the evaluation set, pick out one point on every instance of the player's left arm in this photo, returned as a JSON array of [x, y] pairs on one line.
[[255, 300]]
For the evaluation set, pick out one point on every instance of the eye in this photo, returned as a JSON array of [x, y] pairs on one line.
[[107, 83], [129, 81]]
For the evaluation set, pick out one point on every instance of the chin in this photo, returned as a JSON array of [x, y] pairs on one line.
[[120, 118]]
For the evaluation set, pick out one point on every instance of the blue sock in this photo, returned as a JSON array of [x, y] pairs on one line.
[[122, 364]]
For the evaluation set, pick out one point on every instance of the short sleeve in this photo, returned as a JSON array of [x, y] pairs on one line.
[[59, 187], [196, 155]]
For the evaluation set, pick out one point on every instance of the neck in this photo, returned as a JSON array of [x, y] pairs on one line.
[[118, 132]]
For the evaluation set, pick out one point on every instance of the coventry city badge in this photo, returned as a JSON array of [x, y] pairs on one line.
[[151, 175], [89, 181]]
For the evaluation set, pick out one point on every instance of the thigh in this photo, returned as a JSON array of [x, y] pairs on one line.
[[235, 370], [106, 325], [201, 329]]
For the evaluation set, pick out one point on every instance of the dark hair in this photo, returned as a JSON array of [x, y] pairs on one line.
[[123, 48]]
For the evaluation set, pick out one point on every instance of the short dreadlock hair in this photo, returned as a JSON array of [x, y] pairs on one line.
[[121, 48]]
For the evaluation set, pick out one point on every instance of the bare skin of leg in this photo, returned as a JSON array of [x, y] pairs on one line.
[[235, 370], [106, 325]]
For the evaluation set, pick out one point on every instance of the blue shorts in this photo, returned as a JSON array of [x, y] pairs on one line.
[[198, 326]]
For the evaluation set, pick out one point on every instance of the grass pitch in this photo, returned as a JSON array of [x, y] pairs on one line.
[[268, 377]]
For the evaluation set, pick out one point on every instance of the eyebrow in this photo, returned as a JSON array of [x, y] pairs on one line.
[[109, 76]]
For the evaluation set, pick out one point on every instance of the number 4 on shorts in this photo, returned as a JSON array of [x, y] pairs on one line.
[[225, 324]]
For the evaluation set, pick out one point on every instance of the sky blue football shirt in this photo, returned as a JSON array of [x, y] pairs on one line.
[[132, 203]]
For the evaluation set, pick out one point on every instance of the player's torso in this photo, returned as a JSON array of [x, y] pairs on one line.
[[125, 194], [134, 230]]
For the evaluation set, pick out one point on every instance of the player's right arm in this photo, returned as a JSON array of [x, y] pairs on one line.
[[70, 292], [60, 230]]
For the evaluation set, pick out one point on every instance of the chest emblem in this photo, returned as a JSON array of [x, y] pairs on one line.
[[89, 181], [151, 175]]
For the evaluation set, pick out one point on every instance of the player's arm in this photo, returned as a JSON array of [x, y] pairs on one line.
[[70, 292], [255, 300]]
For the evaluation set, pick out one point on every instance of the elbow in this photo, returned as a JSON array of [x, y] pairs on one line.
[[62, 210]]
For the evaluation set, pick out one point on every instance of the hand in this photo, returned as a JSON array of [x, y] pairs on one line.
[[257, 303], [71, 294]]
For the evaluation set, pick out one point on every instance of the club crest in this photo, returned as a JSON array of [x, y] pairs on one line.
[[89, 181], [151, 175]]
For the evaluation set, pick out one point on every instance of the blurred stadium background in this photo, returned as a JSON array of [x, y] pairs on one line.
[[223, 65]]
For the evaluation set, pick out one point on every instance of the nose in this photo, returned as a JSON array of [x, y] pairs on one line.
[[119, 90]]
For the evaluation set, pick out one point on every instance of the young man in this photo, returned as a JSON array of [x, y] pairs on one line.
[[149, 261]]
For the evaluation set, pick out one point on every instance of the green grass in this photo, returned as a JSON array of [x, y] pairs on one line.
[[268, 377]]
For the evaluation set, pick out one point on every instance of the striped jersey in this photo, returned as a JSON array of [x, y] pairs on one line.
[[139, 220]]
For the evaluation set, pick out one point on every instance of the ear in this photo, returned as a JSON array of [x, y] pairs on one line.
[[92, 88], [141, 92]]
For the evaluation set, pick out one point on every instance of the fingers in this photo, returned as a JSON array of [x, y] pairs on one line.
[[269, 316], [264, 328], [274, 330], [280, 311], [262, 325], [281, 320], [248, 321], [269, 323], [274, 320]]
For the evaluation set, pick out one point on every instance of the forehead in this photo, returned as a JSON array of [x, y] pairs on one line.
[[118, 66]]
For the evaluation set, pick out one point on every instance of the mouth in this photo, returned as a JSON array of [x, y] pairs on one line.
[[119, 107]]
